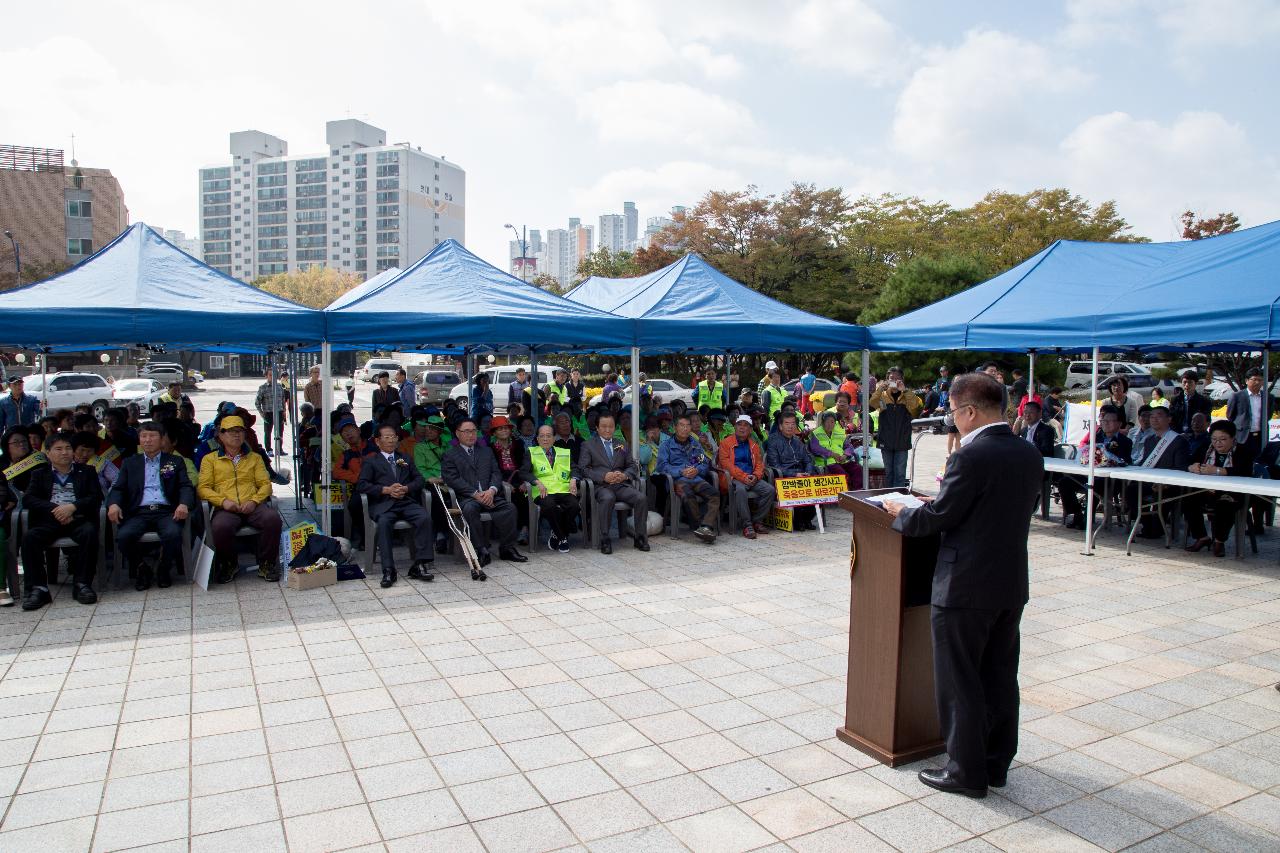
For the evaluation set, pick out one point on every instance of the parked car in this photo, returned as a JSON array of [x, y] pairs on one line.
[[500, 376], [163, 371], [664, 391], [434, 385], [145, 392], [1080, 372], [1143, 383], [68, 390], [374, 366]]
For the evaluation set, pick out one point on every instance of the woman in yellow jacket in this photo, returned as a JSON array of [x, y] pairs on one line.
[[235, 481]]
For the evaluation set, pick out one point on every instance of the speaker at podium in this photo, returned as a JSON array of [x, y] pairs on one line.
[[890, 711]]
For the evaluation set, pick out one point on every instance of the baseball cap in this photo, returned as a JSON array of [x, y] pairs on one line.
[[231, 422], [771, 365], [743, 419]]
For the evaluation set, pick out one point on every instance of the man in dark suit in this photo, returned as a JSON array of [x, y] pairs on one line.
[[152, 492], [394, 488], [1183, 409], [610, 466], [63, 500], [1246, 408], [1036, 431], [1112, 449], [980, 585], [1163, 449], [473, 474]]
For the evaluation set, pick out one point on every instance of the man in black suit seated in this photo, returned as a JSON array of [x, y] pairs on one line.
[[1225, 457], [609, 465], [394, 488], [980, 585], [63, 500], [152, 493], [1036, 431], [1163, 449], [1112, 449], [473, 474]]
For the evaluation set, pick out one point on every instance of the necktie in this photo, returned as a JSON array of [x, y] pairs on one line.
[[608, 449]]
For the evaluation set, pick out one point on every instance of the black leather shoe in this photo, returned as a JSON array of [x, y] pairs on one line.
[[997, 781], [942, 780], [388, 578], [36, 599], [642, 544], [512, 555], [163, 580], [143, 583], [85, 594], [485, 559], [606, 546], [421, 571]]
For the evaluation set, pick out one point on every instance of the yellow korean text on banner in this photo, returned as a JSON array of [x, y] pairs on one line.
[[807, 491]]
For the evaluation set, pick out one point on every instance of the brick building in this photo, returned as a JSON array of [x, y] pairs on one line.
[[57, 213]]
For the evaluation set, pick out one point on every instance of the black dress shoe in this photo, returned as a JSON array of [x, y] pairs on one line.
[[485, 559], [143, 583], [85, 594], [942, 780], [512, 555], [421, 571], [642, 544], [994, 781], [36, 599], [606, 546], [388, 578], [163, 580]]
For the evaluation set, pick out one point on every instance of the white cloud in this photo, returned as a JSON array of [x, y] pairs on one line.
[[848, 36], [716, 66], [649, 111], [656, 190], [984, 96], [1199, 161], [1231, 23]]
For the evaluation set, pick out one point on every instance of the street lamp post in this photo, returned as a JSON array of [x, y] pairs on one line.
[[17, 254], [524, 248]]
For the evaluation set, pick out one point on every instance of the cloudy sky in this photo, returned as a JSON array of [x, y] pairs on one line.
[[558, 108]]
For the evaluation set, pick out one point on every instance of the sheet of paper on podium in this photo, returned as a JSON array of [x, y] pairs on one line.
[[905, 498]]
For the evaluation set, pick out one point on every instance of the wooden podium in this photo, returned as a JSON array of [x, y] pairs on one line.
[[890, 713]]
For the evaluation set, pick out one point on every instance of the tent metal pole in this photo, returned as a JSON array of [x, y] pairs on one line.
[[1266, 397], [468, 372], [533, 390], [326, 436], [728, 373], [293, 420], [44, 384], [1092, 421], [635, 403], [866, 417], [277, 411], [1031, 374]]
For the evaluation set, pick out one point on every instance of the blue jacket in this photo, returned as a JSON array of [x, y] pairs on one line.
[[674, 457], [789, 455], [14, 414], [408, 396]]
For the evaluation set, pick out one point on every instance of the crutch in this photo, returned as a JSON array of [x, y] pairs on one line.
[[462, 534]]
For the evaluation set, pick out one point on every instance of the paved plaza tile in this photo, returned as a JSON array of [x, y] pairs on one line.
[[683, 699]]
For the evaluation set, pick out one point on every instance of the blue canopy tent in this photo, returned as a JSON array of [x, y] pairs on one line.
[[690, 306], [1215, 294], [451, 301], [140, 290]]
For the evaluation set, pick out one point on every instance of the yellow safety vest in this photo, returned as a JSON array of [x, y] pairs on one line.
[[555, 479], [712, 396], [560, 391], [833, 442], [776, 398]]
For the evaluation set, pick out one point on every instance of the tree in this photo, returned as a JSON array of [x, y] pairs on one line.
[[647, 259], [31, 272], [314, 286], [606, 264], [1198, 229], [549, 283]]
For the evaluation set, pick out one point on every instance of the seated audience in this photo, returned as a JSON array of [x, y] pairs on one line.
[[609, 465], [1035, 430], [686, 462], [234, 481], [394, 487], [1223, 458], [152, 494], [743, 460], [473, 474], [63, 499], [548, 473], [1112, 448], [790, 456], [829, 445]]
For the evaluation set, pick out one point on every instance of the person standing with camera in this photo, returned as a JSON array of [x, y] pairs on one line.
[[980, 586], [898, 407]]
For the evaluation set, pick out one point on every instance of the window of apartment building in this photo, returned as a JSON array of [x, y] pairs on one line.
[[388, 224], [276, 168], [218, 222], [218, 234], [273, 231], [389, 170], [273, 219], [388, 156], [311, 243], [273, 206], [273, 180], [310, 165], [80, 209], [310, 216], [361, 238], [361, 252], [276, 256], [311, 254], [361, 159], [273, 192], [388, 210], [362, 172], [216, 210], [388, 236], [272, 269], [388, 183], [362, 212], [387, 197], [305, 190], [215, 173], [309, 228], [309, 178], [361, 186], [220, 184]]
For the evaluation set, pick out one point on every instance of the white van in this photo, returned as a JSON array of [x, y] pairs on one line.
[[501, 376], [1079, 372], [374, 366]]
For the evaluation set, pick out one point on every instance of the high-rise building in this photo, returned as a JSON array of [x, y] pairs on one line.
[[56, 213], [652, 226], [565, 249], [613, 232], [190, 245], [361, 207], [632, 216]]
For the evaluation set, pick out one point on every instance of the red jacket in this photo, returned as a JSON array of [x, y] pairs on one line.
[[725, 457]]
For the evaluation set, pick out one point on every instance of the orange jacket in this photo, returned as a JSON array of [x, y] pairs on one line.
[[725, 457], [348, 467]]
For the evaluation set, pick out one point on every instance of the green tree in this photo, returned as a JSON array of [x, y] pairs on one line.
[[314, 286], [31, 272], [606, 264], [549, 283], [1198, 229]]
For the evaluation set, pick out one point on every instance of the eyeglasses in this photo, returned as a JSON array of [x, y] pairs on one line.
[[466, 429]]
